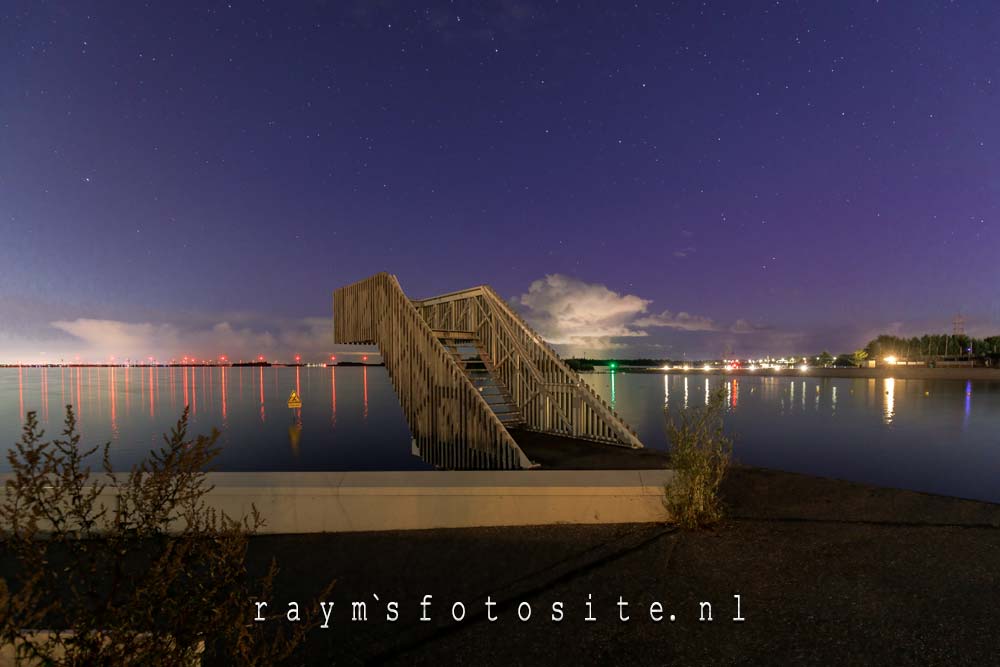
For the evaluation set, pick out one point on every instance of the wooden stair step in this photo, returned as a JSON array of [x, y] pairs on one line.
[[468, 352]]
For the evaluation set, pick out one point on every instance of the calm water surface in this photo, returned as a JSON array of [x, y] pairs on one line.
[[941, 436], [349, 420]]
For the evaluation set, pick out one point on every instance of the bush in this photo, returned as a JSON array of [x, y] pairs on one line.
[[700, 453], [129, 571]]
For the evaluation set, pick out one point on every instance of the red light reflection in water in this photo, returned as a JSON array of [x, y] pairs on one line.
[[79, 404], [128, 403], [333, 397], [173, 388], [62, 385], [186, 401], [366, 391], [152, 384], [223, 379], [20, 393], [114, 400], [297, 389], [262, 416], [194, 393], [241, 385], [734, 390]]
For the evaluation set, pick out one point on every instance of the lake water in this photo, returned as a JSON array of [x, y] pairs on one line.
[[941, 436]]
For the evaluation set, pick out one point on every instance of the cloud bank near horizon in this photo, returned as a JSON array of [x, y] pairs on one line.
[[92, 340], [589, 318]]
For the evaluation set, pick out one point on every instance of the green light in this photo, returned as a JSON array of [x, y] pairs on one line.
[[613, 365]]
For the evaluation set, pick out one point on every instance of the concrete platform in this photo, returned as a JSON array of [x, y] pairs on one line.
[[333, 502], [365, 501]]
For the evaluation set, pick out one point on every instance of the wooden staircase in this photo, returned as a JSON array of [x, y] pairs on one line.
[[468, 371], [470, 355]]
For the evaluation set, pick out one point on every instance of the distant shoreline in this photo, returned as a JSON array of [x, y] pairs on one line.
[[255, 364], [895, 372]]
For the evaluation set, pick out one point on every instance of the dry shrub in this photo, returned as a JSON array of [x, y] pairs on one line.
[[154, 577], [700, 453]]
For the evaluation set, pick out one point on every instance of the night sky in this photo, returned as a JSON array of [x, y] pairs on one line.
[[649, 179]]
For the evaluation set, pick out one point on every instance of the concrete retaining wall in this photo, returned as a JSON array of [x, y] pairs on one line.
[[311, 502]]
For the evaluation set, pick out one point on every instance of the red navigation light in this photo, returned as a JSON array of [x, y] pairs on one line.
[[364, 358], [333, 357], [261, 358], [298, 358]]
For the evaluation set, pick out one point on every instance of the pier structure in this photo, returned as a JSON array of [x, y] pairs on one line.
[[470, 373]]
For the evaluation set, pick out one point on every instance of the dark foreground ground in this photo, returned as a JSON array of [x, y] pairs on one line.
[[826, 571]]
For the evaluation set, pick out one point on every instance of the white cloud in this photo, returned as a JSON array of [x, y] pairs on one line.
[[588, 318], [567, 311]]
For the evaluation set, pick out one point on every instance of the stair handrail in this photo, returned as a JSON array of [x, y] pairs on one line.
[[624, 432]]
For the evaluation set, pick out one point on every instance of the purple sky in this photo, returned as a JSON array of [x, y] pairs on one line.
[[642, 180]]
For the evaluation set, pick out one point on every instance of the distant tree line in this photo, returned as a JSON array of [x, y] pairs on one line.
[[927, 348], [933, 346]]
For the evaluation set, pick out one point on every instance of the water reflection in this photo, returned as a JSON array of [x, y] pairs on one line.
[[45, 394], [20, 393], [295, 431], [333, 396], [923, 436], [114, 399], [263, 416], [79, 403], [968, 404], [919, 434], [614, 397], [889, 406]]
